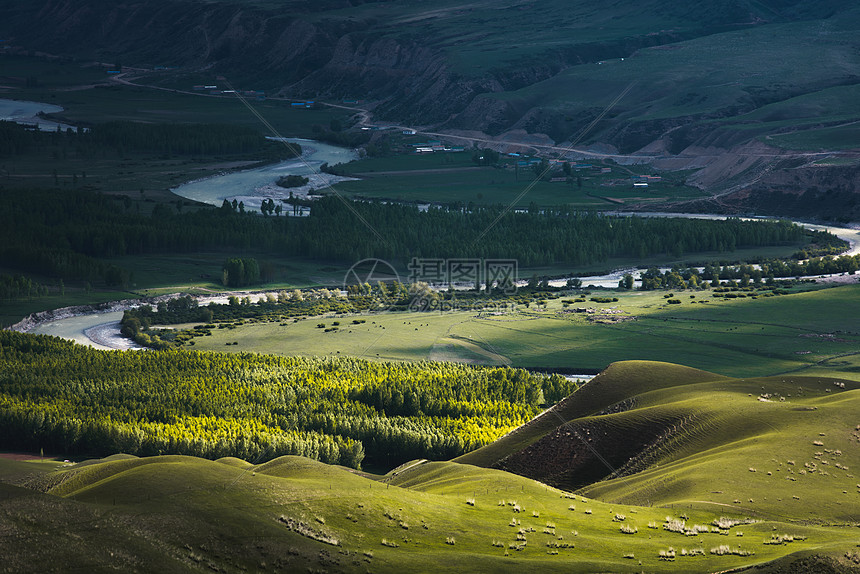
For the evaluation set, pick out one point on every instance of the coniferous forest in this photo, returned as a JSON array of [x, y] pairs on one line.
[[64, 234], [72, 399]]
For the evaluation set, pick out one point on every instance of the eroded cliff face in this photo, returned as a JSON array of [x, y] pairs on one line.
[[317, 50], [411, 81], [190, 35]]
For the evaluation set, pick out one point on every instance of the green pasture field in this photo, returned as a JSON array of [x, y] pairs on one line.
[[48, 74], [120, 102], [293, 513], [472, 184], [453, 177], [811, 332], [410, 161]]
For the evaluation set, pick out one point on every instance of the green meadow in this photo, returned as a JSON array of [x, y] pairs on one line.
[[810, 332], [453, 177]]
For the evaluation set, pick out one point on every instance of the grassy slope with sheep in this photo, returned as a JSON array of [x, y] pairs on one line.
[[656, 434], [178, 513], [181, 513]]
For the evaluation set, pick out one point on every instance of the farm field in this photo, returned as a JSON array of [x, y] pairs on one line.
[[452, 177], [806, 332]]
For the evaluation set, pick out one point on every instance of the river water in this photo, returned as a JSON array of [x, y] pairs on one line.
[[23, 112], [252, 186], [98, 330]]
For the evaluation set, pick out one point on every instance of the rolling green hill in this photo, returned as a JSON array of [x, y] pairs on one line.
[[178, 514], [738, 478], [610, 387], [650, 433]]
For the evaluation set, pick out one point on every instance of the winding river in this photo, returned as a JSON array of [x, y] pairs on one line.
[[24, 112], [101, 330], [252, 186]]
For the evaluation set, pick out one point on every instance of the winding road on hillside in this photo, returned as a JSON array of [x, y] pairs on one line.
[[365, 120]]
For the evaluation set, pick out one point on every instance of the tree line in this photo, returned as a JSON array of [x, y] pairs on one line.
[[73, 399], [64, 234], [120, 137], [13, 287], [765, 273]]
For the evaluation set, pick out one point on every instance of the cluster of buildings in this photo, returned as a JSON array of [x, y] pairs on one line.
[[212, 89], [433, 146], [644, 180]]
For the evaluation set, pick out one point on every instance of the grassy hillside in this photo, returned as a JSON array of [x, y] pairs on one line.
[[792, 90], [178, 514], [775, 446], [665, 435], [611, 386]]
